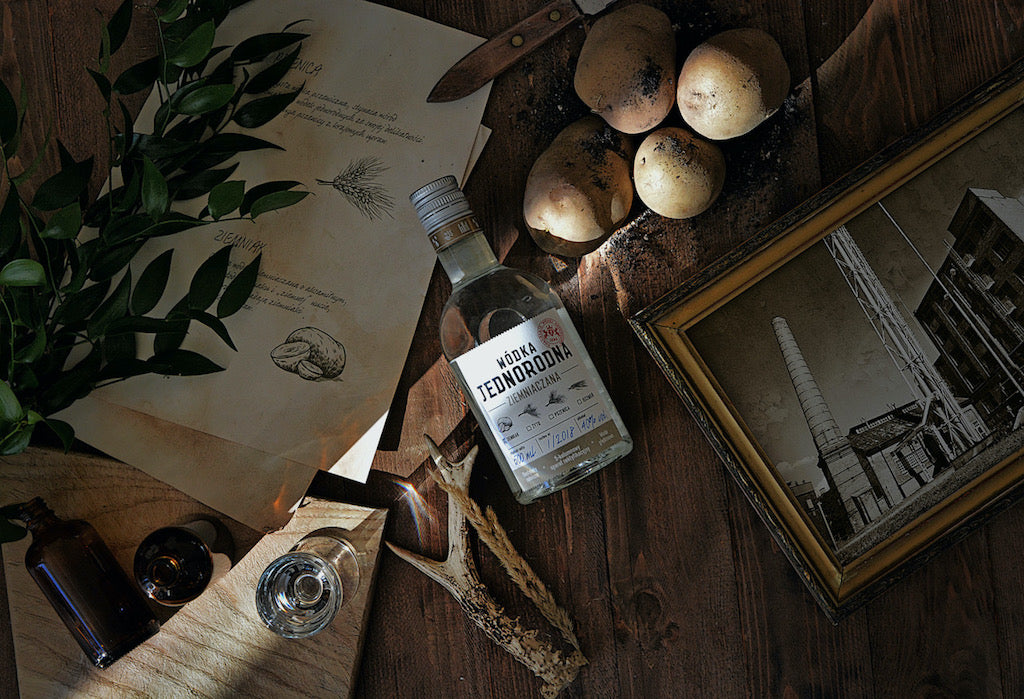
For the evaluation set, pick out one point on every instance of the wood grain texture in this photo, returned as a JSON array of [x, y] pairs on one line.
[[676, 586], [213, 646]]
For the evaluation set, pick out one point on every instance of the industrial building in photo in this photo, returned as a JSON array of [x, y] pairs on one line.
[[964, 401], [973, 311]]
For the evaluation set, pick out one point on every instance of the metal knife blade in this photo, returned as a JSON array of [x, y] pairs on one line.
[[492, 57]]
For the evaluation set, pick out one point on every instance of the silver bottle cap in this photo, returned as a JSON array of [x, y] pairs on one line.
[[440, 202]]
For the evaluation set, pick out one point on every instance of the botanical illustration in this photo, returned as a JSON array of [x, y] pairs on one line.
[[312, 354], [357, 184]]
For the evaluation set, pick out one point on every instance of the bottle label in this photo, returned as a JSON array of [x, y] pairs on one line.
[[546, 410], [452, 231]]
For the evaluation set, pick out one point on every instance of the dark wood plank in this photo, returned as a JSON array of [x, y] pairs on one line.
[[935, 633], [1005, 538], [677, 588]]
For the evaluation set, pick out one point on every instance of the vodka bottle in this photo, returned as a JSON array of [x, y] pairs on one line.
[[533, 388], [80, 577]]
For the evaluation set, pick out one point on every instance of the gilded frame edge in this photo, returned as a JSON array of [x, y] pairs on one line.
[[661, 328]]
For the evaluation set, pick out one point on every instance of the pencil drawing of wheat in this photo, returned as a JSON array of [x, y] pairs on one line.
[[356, 184]]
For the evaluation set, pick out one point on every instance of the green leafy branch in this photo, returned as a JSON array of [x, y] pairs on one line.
[[71, 310]]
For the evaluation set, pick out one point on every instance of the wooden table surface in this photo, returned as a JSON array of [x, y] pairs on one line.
[[676, 587]]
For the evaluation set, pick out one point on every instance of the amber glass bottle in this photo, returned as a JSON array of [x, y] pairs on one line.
[[173, 565], [80, 577]]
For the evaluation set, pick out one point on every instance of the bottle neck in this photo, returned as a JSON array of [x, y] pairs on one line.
[[35, 514], [467, 258]]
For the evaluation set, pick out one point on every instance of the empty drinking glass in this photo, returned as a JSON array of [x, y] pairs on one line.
[[300, 593]]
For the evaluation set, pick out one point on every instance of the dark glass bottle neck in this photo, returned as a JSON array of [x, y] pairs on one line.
[[35, 514]]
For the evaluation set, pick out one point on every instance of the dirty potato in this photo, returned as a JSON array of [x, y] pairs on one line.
[[677, 174], [731, 83], [579, 188], [626, 68]]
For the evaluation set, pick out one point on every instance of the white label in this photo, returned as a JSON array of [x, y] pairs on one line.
[[546, 410]]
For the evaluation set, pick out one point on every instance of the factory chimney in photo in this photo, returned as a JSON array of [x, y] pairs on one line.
[[850, 488]]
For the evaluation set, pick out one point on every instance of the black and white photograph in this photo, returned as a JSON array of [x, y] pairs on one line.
[[881, 371]]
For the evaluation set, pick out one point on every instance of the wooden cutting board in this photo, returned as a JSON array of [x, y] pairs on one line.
[[215, 646]]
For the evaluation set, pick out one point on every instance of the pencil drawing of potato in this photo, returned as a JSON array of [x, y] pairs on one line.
[[311, 353], [288, 355]]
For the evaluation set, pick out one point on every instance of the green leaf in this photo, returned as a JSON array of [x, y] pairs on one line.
[[34, 350], [155, 199], [104, 57], [108, 261], [10, 407], [209, 280], [205, 99], [170, 10], [80, 305], [117, 347], [22, 272], [226, 197], [259, 111], [234, 143], [170, 224], [171, 338], [102, 83], [65, 432], [65, 224], [17, 440], [271, 75], [256, 48], [124, 228], [191, 185], [215, 324], [64, 187], [142, 324], [276, 200], [182, 363], [73, 384], [114, 307], [239, 289], [123, 369], [117, 27], [195, 47], [152, 283], [261, 190], [138, 77], [158, 147], [10, 222], [8, 115]]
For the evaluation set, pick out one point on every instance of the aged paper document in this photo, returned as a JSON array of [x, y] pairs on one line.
[[323, 339]]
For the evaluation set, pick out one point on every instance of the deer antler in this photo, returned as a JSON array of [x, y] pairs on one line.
[[457, 573]]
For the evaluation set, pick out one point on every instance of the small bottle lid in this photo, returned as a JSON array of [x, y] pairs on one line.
[[440, 202]]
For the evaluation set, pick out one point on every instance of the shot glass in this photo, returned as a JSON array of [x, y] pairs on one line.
[[300, 593]]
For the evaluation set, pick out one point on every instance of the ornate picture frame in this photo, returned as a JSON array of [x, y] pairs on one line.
[[858, 363]]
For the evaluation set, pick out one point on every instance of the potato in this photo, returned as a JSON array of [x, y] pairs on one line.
[[677, 174], [579, 188], [627, 67], [731, 83]]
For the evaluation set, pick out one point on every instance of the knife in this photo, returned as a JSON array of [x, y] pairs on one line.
[[492, 57]]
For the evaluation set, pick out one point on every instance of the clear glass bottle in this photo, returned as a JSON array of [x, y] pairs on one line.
[[173, 565], [300, 593], [533, 388], [80, 577]]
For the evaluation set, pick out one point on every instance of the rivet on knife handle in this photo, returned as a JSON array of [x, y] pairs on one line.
[[495, 55]]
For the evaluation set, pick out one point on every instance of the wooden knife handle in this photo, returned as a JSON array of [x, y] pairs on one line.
[[499, 52]]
